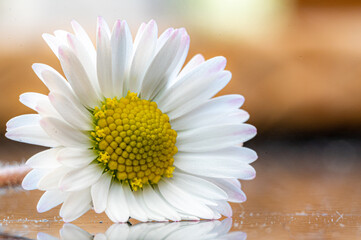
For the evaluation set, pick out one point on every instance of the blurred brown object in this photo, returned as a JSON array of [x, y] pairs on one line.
[[11, 176], [307, 80]]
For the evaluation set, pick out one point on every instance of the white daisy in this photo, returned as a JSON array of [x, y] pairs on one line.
[[171, 231], [132, 134]]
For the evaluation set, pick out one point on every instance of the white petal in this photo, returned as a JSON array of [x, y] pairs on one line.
[[141, 230], [46, 109], [213, 167], [54, 81], [117, 232], [50, 199], [163, 38], [200, 230], [135, 210], [224, 208], [31, 99], [198, 186], [214, 111], [134, 46], [99, 192], [23, 120], [158, 205], [197, 197], [74, 113], [234, 192], [236, 236], [234, 181], [32, 135], [31, 180], [100, 236], [197, 95], [160, 68], [84, 39], [63, 133], [226, 155], [151, 215], [51, 180], [77, 76], [52, 42], [40, 103], [81, 178], [188, 217], [104, 59], [75, 205], [76, 157], [88, 63], [182, 200], [239, 115], [45, 159], [194, 62], [61, 35], [117, 208], [204, 80], [160, 230], [70, 231], [143, 53], [216, 214], [163, 65], [223, 227], [214, 137], [139, 35], [44, 236], [122, 48], [180, 58]]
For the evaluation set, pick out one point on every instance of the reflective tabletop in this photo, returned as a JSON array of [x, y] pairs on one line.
[[300, 192]]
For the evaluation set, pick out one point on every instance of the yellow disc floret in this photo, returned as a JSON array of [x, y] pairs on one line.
[[134, 140]]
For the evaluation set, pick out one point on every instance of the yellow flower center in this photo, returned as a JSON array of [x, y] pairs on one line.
[[134, 140]]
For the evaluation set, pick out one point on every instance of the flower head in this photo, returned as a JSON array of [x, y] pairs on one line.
[[132, 133]]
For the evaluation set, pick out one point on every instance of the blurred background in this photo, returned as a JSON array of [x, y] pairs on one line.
[[297, 62]]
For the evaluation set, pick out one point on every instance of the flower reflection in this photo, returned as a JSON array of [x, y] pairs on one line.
[[174, 230]]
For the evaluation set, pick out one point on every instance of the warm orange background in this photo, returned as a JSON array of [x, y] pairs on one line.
[[297, 62]]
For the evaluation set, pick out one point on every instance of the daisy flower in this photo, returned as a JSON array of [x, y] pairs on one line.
[[176, 230], [130, 132]]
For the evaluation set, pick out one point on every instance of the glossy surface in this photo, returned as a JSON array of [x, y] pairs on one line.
[[302, 191]]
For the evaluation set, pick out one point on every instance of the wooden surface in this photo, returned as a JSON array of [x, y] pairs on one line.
[[303, 190]]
